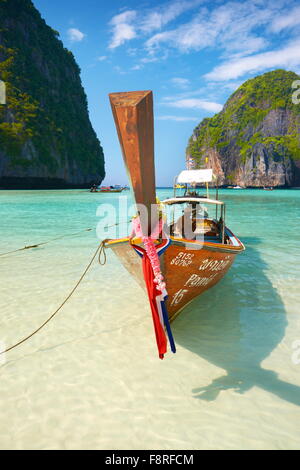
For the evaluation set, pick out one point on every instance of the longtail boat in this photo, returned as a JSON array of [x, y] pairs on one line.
[[110, 189], [106, 189], [185, 233]]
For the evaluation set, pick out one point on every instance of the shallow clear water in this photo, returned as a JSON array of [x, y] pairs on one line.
[[91, 378]]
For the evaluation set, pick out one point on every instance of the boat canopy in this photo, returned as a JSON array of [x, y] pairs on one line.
[[181, 200], [195, 176]]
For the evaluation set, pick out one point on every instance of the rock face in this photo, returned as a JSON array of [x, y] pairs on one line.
[[255, 140], [46, 138]]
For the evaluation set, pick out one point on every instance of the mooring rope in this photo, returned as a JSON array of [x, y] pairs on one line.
[[101, 258], [27, 247], [100, 248], [45, 243], [102, 253]]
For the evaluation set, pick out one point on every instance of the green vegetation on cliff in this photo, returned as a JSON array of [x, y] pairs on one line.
[[260, 111], [44, 128]]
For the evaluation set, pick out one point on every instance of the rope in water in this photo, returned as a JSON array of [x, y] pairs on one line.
[[45, 243], [59, 238], [102, 260], [100, 249]]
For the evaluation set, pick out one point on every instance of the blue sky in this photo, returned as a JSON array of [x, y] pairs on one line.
[[191, 53]]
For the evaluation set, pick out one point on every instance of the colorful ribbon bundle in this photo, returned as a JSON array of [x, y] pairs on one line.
[[156, 287]]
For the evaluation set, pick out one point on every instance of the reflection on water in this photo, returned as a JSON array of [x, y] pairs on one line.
[[236, 326]]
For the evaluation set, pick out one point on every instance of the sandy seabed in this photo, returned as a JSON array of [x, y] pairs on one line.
[[91, 379]]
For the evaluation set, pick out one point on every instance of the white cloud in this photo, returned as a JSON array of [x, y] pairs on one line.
[[186, 37], [236, 27], [212, 90], [101, 58], [159, 17], [177, 118], [119, 70], [286, 20], [129, 24], [122, 27], [195, 103], [75, 35], [132, 51], [288, 56], [180, 82], [231, 85], [146, 60], [240, 30]]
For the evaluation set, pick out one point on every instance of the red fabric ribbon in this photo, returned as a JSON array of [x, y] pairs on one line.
[[160, 335]]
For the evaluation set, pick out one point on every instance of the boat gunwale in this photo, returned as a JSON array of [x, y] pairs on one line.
[[183, 241]]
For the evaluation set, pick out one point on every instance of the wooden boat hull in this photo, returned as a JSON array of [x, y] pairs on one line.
[[191, 273], [189, 268]]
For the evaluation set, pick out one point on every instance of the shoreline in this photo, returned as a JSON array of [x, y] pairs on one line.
[[87, 187]]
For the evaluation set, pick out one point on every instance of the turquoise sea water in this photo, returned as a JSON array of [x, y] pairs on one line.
[[91, 378]]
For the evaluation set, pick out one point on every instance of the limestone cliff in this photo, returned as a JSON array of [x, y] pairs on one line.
[[46, 138], [255, 140]]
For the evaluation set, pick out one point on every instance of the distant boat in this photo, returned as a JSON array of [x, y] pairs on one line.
[[110, 189], [183, 255], [268, 189], [107, 189], [237, 187]]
